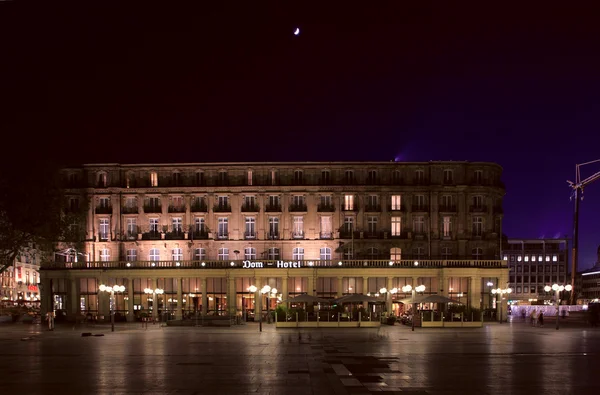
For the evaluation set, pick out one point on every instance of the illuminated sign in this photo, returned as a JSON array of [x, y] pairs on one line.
[[278, 264]]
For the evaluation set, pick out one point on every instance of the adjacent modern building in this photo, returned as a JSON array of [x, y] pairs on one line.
[[588, 281], [203, 233], [19, 283], [533, 264]]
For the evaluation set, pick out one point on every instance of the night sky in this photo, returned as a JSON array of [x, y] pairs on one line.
[[511, 85]]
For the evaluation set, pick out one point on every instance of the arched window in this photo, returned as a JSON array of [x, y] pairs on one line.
[[154, 254], [298, 254], [477, 253], [373, 253], [325, 254], [396, 254], [223, 254], [250, 253]]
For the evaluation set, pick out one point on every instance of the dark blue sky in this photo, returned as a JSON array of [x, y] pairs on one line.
[[511, 85]]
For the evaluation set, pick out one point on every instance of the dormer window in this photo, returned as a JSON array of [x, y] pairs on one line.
[[222, 180], [419, 176], [478, 176], [129, 180], [298, 177], [153, 179], [349, 177], [448, 176], [372, 177], [273, 177], [396, 177], [176, 178], [249, 178], [200, 178], [102, 180], [325, 177], [73, 179]]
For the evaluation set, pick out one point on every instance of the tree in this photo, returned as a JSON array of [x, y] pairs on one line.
[[32, 212]]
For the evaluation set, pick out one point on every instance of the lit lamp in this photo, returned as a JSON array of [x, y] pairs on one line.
[[500, 292], [111, 291], [264, 291], [557, 289], [393, 292], [251, 289], [155, 292], [409, 288]]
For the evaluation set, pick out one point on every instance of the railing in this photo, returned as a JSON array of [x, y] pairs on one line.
[[273, 208], [199, 207], [325, 235], [297, 235], [296, 208], [273, 235], [198, 234], [396, 209], [250, 208], [372, 208], [152, 208], [237, 264], [325, 208], [447, 209], [177, 209], [249, 235], [222, 208], [420, 209], [129, 210], [354, 207], [478, 209], [103, 209]]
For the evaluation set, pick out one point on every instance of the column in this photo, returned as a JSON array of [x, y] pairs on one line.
[[231, 296], [130, 301], [73, 299], [475, 292], [365, 285], [284, 289], [443, 280], [388, 300], [339, 287], [312, 285], [204, 297], [179, 311], [154, 300], [257, 296], [503, 283]]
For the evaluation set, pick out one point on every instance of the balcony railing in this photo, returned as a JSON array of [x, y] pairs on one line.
[[250, 208], [103, 209], [447, 209], [325, 235], [273, 208], [354, 207], [478, 209], [273, 235], [326, 208], [198, 234], [238, 264], [222, 236], [175, 234], [250, 235], [372, 208], [298, 208], [152, 208], [222, 208], [129, 210], [198, 207], [177, 209], [151, 235], [396, 209], [420, 208], [346, 234], [297, 234]]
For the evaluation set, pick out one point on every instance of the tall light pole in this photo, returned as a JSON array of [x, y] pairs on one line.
[[578, 185], [558, 289], [383, 291], [253, 290], [155, 293], [500, 292], [112, 290], [409, 288]]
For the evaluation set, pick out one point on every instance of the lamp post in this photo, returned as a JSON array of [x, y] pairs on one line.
[[393, 292], [383, 291], [252, 289], [112, 290], [409, 288], [155, 292], [499, 291], [265, 290], [557, 289]]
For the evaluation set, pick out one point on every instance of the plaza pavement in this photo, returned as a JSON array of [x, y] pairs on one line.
[[497, 359]]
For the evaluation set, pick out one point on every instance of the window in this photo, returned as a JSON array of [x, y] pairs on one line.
[[419, 201], [131, 255], [250, 202], [153, 225], [419, 176], [349, 202], [478, 176], [223, 254], [478, 201], [373, 202], [200, 178], [532, 289], [154, 254], [131, 227], [396, 202], [325, 254], [131, 203], [372, 253], [298, 203], [273, 253], [396, 226], [326, 227], [372, 177], [102, 180], [395, 254], [176, 178], [446, 226], [177, 203], [199, 225], [547, 258], [418, 253], [349, 177], [325, 177], [298, 177], [73, 204], [446, 253], [222, 202], [177, 225], [199, 254], [540, 258], [298, 230], [348, 224], [274, 202], [222, 227], [477, 253], [418, 224], [250, 231], [447, 202], [153, 179], [326, 201], [105, 255], [249, 177], [533, 258], [298, 254], [396, 177], [448, 176], [554, 258], [273, 177], [177, 254], [348, 253], [103, 203], [153, 205], [372, 225], [273, 227], [104, 228], [222, 177], [250, 253], [477, 226]]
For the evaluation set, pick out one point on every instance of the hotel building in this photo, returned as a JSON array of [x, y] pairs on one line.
[[533, 264], [19, 283], [204, 232]]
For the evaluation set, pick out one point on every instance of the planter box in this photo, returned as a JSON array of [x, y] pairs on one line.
[[325, 324]]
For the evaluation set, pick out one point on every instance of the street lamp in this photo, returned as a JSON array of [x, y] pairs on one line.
[[499, 291], [265, 290], [558, 288], [251, 289], [112, 290], [383, 291], [409, 288], [155, 292], [393, 292]]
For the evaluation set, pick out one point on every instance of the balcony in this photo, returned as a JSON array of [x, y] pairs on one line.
[[104, 210], [346, 234], [129, 210], [177, 209], [273, 235], [326, 235], [130, 235], [222, 236], [103, 236], [326, 208], [478, 209], [249, 235], [353, 207], [175, 234], [152, 208], [447, 209], [373, 235], [396, 209], [298, 208], [372, 208], [273, 208], [222, 208], [298, 235], [198, 207], [420, 209], [250, 208], [151, 235]]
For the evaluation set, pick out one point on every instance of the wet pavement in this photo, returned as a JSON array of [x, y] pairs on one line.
[[497, 359]]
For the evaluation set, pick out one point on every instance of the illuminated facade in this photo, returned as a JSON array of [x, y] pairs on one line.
[[19, 283], [533, 264], [588, 283], [205, 232]]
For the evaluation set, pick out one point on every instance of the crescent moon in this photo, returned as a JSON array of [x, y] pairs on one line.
[[296, 32]]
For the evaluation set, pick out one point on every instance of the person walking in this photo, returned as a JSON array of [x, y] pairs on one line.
[[534, 317], [541, 319]]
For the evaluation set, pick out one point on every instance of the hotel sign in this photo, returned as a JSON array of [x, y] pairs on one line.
[[278, 264]]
